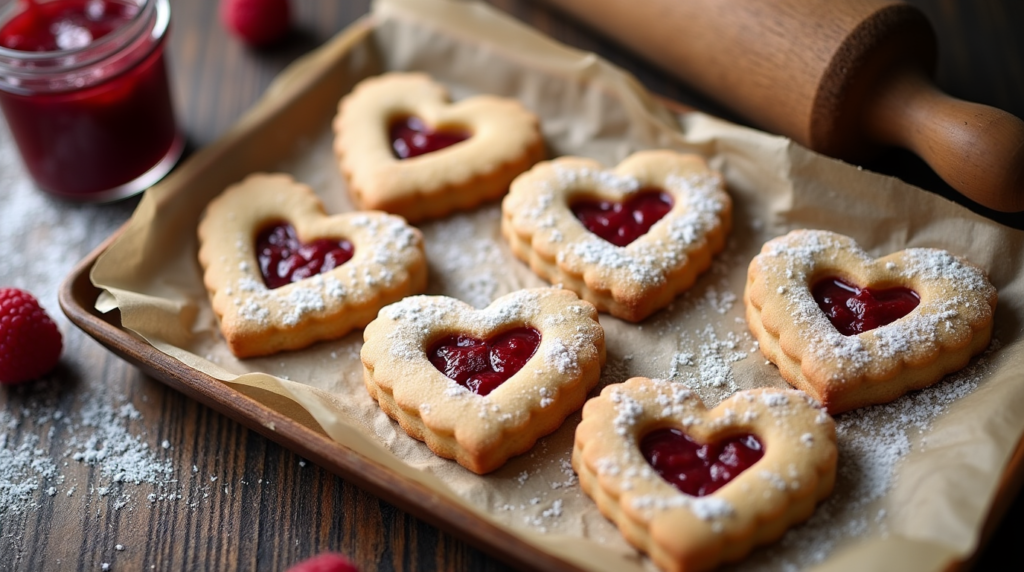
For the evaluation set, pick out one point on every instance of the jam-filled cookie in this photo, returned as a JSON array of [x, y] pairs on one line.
[[282, 274], [693, 487], [404, 149], [481, 386], [628, 240], [852, 330]]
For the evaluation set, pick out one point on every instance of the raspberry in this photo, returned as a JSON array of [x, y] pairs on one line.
[[256, 22], [30, 342], [326, 562]]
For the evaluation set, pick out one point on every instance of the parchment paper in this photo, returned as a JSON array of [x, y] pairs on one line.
[[916, 476]]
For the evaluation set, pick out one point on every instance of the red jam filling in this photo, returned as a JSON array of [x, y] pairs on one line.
[[482, 365], [622, 223], [64, 24], [285, 259], [696, 469], [854, 310], [410, 137]]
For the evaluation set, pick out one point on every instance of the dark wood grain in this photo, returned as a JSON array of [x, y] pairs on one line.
[[269, 508]]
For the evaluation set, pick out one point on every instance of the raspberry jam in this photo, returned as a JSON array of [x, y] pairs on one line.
[[410, 137], [84, 89], [285, 259], [854, 310], [482, 365], [696, 469], [622, 223]]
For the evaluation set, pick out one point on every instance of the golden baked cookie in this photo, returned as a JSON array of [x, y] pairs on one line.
[[628, 240], [481, 386], [692, 487], [282, 274], [404, 149], [852, 330]]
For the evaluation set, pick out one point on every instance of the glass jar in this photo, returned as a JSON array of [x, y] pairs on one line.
[[91, 114]]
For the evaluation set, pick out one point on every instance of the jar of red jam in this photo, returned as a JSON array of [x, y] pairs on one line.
[[84, 89]]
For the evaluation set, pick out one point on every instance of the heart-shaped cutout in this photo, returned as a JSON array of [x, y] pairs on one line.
[[284, 259], [265, 245], [459, 154], [620, 223], [784, 439], [853, 310], [482, 365], [411, 137], [838, 365], [548, 341], [634, 267], [699, 469]]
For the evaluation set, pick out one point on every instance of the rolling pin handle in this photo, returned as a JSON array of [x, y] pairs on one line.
[[977, 149]]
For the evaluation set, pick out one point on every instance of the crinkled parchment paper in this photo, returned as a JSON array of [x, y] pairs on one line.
[[916, 476]]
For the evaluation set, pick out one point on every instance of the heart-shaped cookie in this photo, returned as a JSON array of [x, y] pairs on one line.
[[778, 446], [871, 343], [457, 155], [420, 354], [283, 275], [548, 211]]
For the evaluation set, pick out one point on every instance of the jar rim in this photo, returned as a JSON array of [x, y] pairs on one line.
[[121, 34]]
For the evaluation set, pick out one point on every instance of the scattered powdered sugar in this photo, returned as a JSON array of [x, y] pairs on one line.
[[720, 301], [582, 178], [714, 364], [565, 359], [628, 410], [24, 467], [775, 399], [301, 301], [640, 262], [872, 442], [97, 435], [703, 203], [102, 441], [467, 259], [936, 264], [252, 311], [706, 508]]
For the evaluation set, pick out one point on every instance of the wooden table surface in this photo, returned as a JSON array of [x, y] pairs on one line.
[[167, 484]]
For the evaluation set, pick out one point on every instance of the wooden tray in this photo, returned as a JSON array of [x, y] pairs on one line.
[[78, 296]]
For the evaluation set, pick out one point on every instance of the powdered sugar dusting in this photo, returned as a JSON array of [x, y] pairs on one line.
[[873, 442], [466, 256], [628, 411], [712, 368], [706, 508], [96, 435], [301, 301], [564, 359]]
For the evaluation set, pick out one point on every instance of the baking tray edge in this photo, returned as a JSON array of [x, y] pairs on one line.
[[77, 297]]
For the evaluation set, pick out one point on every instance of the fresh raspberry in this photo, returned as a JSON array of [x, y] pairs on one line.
[[256, 22], [30, 342], [326, 562]]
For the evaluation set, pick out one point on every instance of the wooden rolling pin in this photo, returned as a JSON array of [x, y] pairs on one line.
[[842, 77]]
